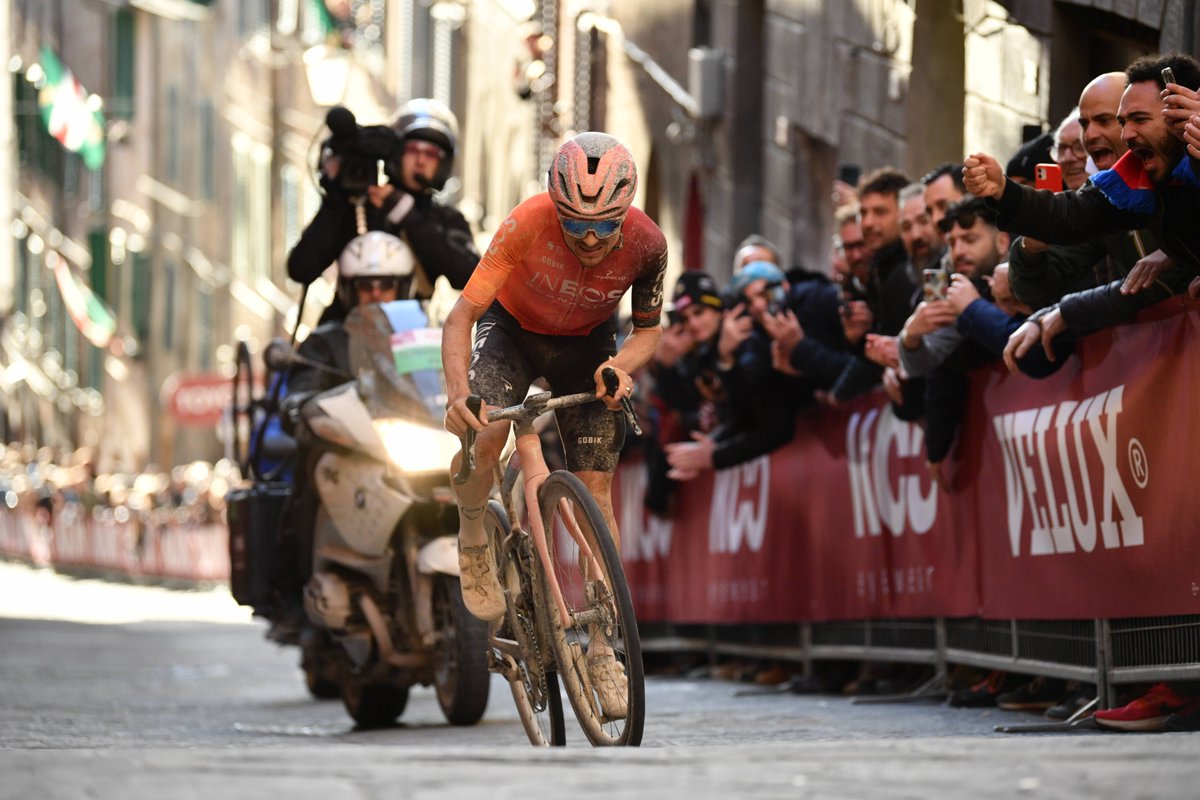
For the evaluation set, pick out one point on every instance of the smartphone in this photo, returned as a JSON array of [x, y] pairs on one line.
[[1168, 75], [1048, 176], [935, 283]]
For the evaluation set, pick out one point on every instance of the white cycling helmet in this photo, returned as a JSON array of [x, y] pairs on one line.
[[374, 255]]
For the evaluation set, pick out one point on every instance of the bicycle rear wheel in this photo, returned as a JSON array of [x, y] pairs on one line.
[[518, 635], [602, 614]]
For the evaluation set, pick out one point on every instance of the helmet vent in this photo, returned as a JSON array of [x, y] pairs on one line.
[[593, 164]]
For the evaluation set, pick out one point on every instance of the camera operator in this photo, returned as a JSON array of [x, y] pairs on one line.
[[417, 150]]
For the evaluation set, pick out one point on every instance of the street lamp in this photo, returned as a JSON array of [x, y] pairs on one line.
[[328, 72]]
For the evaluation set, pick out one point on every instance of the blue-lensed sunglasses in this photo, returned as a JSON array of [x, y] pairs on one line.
[[578, 228]]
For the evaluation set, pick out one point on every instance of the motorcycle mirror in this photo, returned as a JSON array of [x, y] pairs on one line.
[[278, 355]]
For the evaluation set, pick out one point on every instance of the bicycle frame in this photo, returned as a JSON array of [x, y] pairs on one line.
[[530, 464]]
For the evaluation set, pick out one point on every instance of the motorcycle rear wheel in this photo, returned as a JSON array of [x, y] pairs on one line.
[[460, 672]]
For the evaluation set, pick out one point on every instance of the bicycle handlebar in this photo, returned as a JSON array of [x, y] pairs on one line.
[[534, 406]]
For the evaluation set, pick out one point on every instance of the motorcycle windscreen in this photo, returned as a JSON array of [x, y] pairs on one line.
[[418, 355]]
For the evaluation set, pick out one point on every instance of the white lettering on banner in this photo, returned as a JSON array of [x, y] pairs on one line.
[[870, 439], [733, 519], [873, 584], [737, 591], [644, 537], [1034, 460]]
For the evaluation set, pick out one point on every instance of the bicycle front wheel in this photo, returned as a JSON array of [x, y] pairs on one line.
[[517, 635], [599, 654]]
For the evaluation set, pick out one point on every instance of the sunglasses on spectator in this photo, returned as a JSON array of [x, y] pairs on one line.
[[418, 148], [376, 283], [578, 228], [965, 219]]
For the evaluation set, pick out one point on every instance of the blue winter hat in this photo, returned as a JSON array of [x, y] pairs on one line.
[[755, 271]]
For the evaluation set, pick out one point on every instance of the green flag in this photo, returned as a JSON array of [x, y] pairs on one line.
[[67, 113]]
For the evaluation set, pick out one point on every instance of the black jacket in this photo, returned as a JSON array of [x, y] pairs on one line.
[[1086, 214], [439, 236]]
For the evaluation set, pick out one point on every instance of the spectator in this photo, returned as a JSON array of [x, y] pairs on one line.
[[1022, 167], [755, 248], [943, 188], [1068, 151], [1042, 275], [1098, 106], [889, 287], [760, 401], [1153, 185]]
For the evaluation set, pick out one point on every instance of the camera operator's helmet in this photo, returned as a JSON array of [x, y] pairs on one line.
[[429, 120], [374, 255], [592, 177]]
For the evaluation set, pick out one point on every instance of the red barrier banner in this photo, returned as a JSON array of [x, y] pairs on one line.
[[1069, 499], [843, 523], [1086, 507]]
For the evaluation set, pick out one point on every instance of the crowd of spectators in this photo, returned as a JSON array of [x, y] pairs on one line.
[[44, 483], [931, 279]]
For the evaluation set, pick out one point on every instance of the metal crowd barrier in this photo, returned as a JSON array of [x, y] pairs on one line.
[[1104, 653]]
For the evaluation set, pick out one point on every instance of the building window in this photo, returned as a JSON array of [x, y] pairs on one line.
[[254, 18], [205, 321], [289, 196], [120, 105], [140, 305], [208, 151], [174, 133], [251, 209], [170, 270]]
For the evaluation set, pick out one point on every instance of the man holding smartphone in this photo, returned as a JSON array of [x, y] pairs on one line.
[[1152, 186]]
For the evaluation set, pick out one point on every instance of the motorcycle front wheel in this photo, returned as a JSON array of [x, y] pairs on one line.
[[320, 665], [372, 705], [460, 669]]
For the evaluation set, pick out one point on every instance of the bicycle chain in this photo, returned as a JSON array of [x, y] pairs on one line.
[[530, 629]]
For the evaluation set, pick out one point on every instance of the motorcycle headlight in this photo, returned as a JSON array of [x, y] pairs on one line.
[[417, 448]]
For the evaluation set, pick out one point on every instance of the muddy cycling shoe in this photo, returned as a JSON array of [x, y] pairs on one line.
[[480, 587], [607, 676]]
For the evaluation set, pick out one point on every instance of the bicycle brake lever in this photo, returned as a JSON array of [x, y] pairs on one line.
[[467, 466], [631, 416], [612, 383]]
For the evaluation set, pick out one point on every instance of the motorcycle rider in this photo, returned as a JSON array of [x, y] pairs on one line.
[[376, 267], [438, 234]]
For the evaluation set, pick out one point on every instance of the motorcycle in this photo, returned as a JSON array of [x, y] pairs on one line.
[[383, 599]]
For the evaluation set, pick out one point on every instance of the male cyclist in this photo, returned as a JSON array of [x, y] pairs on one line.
[[542, 300]]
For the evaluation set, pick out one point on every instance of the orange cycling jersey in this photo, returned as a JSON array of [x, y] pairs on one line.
[[541, 283]]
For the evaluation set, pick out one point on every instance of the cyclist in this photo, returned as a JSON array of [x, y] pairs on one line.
[[438, 234], [542, 300]]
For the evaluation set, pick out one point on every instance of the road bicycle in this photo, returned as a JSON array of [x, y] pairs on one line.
[[564, 585]]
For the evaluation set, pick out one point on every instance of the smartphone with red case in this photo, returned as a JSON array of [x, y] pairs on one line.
[[1048, 176]]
